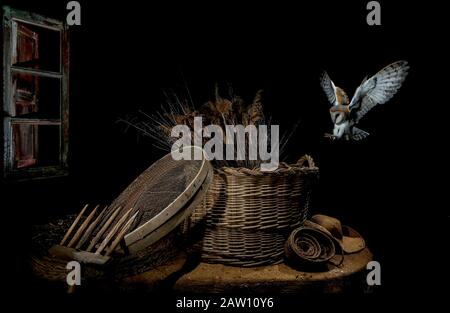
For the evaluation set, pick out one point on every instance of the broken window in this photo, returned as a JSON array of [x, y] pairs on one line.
[[35, 99]]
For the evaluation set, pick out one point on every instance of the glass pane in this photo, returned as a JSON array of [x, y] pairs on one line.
[[35, 145], [36, 47], [35, 94]]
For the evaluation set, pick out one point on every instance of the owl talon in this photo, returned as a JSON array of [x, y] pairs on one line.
[[330, 136]]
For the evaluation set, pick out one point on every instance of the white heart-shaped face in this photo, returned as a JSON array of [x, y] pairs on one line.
[[337, 117]]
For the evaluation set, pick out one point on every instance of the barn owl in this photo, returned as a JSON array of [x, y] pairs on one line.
[[378, 89]]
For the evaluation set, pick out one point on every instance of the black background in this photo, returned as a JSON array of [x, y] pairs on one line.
[[125, 54]]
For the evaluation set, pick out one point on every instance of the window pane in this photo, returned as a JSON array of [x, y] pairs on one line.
[[36, 47], [35, 145], [35, 94]]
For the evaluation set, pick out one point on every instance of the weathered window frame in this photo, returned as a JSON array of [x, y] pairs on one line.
[[61, 169]]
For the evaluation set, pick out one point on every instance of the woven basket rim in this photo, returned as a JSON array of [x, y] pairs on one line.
[[283, 168]]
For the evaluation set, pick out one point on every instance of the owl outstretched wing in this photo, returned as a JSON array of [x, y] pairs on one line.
[[329, 87], [378, 89]]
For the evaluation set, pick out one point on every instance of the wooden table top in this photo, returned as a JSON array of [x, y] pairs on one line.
[[280, 278]]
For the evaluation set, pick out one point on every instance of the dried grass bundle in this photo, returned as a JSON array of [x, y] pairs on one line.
[[219, 111]]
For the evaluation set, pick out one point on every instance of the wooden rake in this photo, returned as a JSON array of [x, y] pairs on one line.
[[73, 250]]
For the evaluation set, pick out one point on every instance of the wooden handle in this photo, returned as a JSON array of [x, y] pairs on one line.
[[72, 227]]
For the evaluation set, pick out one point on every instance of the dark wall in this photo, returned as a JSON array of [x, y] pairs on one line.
[[124, 56]]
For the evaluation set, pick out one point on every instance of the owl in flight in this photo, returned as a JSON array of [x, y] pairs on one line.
[[378, 89]]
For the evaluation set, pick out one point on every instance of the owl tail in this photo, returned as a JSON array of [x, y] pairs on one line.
[[358, 134]]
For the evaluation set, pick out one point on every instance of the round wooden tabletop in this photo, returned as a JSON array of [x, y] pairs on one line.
[[280, 278]]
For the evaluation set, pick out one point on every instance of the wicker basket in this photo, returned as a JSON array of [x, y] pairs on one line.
[[247, 215]]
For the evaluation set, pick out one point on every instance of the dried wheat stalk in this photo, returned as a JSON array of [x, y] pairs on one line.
[[219, 111]]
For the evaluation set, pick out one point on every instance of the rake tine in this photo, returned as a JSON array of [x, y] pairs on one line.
[[113, 232], [90, 229], [82, 228], [103, 229], [121, 234], [72, 227]]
